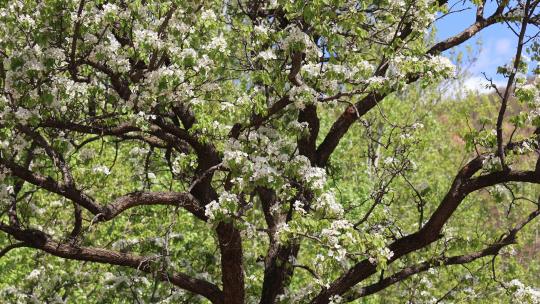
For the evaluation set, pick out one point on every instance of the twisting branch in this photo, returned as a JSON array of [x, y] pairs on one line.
[[154, 137], [55, 156], [49, 184], [40, 240], [407, 272], [258, 120], [8, 248], [510, 84], [463, 185], [204, 175], [112, 210], [12, 211], [134, 199], [354, 112]]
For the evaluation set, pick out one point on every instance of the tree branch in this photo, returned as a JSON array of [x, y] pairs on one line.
[[354, 112], [181, 199], [509, 84], [463, 185], [112, 210], [39, 240], [8, 248], [491, 250]]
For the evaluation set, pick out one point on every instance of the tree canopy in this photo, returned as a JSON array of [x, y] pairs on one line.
[[253, 151]]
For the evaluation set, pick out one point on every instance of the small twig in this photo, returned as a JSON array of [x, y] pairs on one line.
[[203, 175]]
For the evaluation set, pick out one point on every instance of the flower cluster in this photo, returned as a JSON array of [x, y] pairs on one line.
[[522, 293]]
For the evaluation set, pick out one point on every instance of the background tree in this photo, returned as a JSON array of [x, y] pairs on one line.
[[250, 151]]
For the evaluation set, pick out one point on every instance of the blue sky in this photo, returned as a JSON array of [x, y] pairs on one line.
[[498, 42]]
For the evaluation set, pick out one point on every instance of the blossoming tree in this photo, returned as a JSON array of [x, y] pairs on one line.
[[214, 147]]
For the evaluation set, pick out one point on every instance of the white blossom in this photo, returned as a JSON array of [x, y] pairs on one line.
[[218, 43], [101, 169], [267, 55]]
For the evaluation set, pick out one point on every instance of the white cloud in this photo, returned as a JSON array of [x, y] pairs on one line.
[[480, 85], [473, 84], [493, 54], [484, 61], [503, 46]]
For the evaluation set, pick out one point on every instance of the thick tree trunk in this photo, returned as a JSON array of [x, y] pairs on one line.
[[278, 272], [232, 270]]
